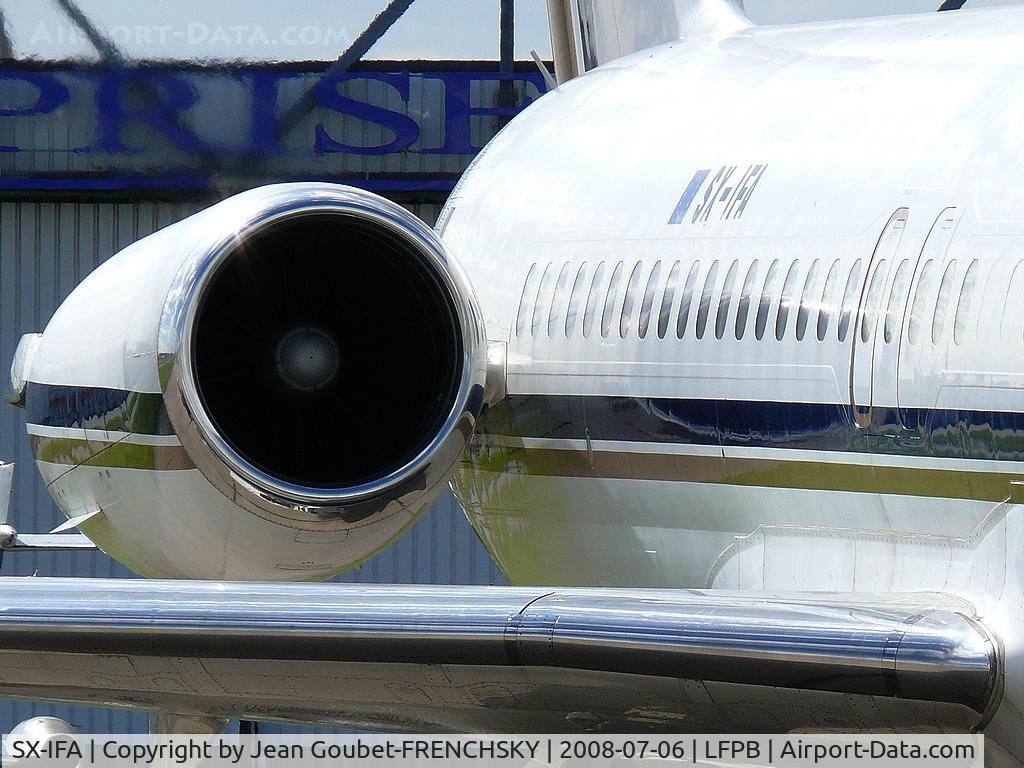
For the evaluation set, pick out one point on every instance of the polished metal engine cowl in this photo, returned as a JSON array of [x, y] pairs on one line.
[[322, 358]]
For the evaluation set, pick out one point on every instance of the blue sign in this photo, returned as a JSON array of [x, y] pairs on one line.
[[147, 126]]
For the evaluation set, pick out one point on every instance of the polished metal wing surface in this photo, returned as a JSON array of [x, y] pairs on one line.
[[415, 658]]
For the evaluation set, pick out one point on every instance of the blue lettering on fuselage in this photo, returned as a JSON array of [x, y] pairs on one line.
[[725, 195]]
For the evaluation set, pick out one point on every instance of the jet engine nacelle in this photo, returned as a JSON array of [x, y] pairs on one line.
[[274, 387]]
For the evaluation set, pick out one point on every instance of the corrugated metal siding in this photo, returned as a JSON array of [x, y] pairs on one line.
[[45, 251]]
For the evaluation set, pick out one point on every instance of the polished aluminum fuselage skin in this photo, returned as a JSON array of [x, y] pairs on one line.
[[886, 152]]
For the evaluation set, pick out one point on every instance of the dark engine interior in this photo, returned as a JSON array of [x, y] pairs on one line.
[[327, 351]]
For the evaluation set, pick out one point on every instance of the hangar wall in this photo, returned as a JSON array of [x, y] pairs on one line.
[[60, 218]]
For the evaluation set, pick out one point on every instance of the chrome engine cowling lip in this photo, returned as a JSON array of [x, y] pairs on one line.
[[258, 491]]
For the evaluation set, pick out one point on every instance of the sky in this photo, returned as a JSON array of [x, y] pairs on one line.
[[258, 29], [289, 30]]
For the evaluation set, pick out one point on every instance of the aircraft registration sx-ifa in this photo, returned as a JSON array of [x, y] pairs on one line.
[[723, 338]]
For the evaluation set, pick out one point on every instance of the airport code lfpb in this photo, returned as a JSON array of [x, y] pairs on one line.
[[500, 751]]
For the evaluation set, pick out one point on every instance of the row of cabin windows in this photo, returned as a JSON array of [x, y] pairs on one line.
[[556, 300]]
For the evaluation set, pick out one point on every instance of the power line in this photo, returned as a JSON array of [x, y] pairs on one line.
[[6, 49], [381, 23], [104, 47]]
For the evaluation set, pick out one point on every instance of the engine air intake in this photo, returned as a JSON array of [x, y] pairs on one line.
[[323, 357], [326, 352]]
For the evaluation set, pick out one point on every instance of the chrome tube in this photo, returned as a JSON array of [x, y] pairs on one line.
[[929, 649], [932, 654]]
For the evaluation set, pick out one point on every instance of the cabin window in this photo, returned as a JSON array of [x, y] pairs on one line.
[[592, 299], [558, 300], [918, 308], [828, 299], [942, 302], [686, 300], [1010, 323], [632, 286], [578, 286], [805, 300], [538, 304], [850, 296], [705, 300], [645, 308], [609, 301], [897, 301], [764, 305], [743, 309], [963, 307], [788, 294], [725, 300], [872, 301], [665, 314], [987, 305], [524, 300]]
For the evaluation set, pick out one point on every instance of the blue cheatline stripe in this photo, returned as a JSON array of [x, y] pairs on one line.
[[52, 405], [806, 426], [997, 435]]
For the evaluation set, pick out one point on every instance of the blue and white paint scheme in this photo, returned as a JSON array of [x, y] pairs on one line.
[[732, 321]]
